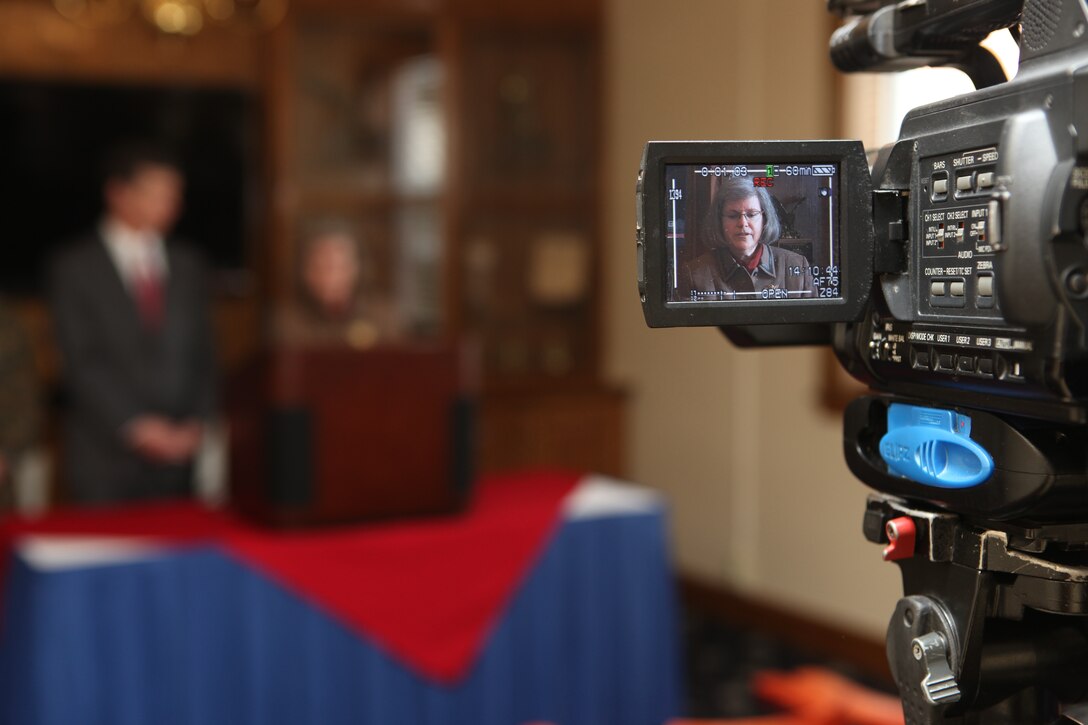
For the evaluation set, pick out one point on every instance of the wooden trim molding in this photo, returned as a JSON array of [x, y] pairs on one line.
[[809, 635]]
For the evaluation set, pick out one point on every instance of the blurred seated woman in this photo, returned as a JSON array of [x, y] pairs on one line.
[[743, 231], [339, 304]]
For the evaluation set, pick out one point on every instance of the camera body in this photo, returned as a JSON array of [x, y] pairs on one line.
[[951, 277], [986, 305]]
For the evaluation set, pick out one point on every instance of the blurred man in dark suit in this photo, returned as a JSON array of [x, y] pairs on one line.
[[131, 313]]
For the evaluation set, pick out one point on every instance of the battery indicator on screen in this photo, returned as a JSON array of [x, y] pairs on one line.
[[823, 170]]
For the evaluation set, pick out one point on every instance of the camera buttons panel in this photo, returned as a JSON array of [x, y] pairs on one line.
[[984, 286], [947, 293], [964, 184], [940, 186], [951, 361]]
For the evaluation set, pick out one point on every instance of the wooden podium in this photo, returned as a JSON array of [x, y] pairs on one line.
[[328, 435]]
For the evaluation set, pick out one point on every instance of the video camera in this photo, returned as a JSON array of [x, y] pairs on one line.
[[951, 276]]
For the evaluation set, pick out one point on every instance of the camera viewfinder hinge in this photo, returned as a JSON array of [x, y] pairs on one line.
[[891, 233]]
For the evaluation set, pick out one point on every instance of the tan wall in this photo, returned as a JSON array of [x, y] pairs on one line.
[[762, 500]]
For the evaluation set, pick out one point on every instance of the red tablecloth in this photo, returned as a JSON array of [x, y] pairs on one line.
[[428, 591]]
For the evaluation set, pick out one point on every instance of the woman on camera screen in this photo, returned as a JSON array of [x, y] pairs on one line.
[[742, 233]]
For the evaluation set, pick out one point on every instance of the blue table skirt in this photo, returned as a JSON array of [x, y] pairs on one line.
[[196, 637]]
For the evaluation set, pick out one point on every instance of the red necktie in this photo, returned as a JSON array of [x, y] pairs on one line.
[[149, 299]]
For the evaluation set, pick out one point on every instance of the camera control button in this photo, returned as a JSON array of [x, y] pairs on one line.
[[640, 254], [937, 289], [921, 359], [965, 363], [964, 183], [1076, 282], [945, 362], [994, 232], [940, 187], [986, 366], [956, 288], [986, 285], [985, 180]]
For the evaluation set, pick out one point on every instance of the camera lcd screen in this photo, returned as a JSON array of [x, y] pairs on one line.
[[754, 232]]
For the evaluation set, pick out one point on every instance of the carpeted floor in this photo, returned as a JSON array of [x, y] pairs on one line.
[[720, 661]]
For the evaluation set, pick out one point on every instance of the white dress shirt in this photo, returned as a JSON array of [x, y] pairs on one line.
[[135, 254]]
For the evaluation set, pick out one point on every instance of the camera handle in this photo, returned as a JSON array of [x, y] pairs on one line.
[[993, 625], [982, 67]]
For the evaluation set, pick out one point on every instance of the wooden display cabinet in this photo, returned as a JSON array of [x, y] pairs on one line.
[[460, 142]]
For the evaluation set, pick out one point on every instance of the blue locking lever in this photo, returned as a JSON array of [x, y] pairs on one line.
[[934, 447]]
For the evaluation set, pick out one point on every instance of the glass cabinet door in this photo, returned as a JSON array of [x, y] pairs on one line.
[[369, 164], [528, 255]]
